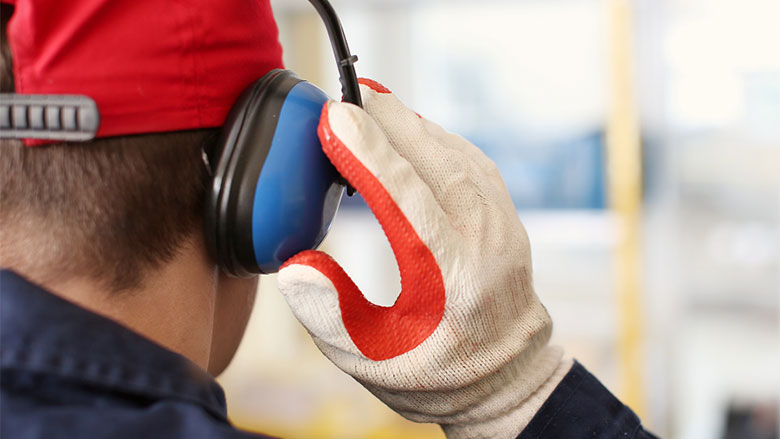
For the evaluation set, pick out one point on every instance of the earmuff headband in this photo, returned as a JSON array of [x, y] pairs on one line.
[[344, 60]]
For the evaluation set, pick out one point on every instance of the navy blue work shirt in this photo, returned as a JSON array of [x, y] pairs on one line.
[[69, 373]]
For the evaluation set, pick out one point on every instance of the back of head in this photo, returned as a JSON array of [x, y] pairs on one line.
[[110, 209]]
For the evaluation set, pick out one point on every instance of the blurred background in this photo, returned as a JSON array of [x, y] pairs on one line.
[[640, 141]]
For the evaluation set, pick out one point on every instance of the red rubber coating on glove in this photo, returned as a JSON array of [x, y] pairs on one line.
[[377, 87], [381, 332]]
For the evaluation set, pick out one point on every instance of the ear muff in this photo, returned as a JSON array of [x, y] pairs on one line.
[[274, 192]]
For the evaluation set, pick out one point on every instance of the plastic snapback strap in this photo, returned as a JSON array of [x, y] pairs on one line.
[[48, 117]]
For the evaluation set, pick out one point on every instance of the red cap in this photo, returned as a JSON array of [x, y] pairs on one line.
[[150, 65]]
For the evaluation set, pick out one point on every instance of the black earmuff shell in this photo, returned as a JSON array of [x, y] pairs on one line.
[[256, 220], [240, 155]]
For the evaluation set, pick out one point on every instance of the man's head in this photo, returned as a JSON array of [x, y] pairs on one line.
[[110, 209], [117, 212]]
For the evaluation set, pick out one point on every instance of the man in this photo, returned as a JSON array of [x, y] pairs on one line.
[[114, 315]]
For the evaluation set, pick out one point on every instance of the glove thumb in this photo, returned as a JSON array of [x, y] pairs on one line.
[[308, 281]]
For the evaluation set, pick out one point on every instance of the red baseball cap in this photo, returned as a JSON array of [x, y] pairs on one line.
[[150, 65]]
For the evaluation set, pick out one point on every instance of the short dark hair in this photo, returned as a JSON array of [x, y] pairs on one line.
[[109, 209]]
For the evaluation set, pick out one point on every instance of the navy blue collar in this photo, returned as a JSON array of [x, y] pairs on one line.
[[44, 334]]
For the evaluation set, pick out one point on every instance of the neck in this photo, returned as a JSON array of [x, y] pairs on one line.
[[173, 307]]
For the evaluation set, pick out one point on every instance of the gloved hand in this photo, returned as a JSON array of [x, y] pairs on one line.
[[465, 344]]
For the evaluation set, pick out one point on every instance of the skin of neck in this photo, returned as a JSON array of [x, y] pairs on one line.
[[187, 306]]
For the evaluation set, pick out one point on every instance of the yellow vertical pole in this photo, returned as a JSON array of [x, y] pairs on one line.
[[624, 176]]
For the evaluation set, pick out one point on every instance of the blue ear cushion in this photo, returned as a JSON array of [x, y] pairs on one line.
[[297, 193], [274, 193]]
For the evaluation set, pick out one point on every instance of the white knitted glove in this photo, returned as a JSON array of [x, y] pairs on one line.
[[465, 343]]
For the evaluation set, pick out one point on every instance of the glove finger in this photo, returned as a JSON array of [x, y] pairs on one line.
[[465, 183], [332, 308], [313, 299], [362, 154], [458, 143], [484, 170], [390, 114], [416, 227], [405, 130]]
